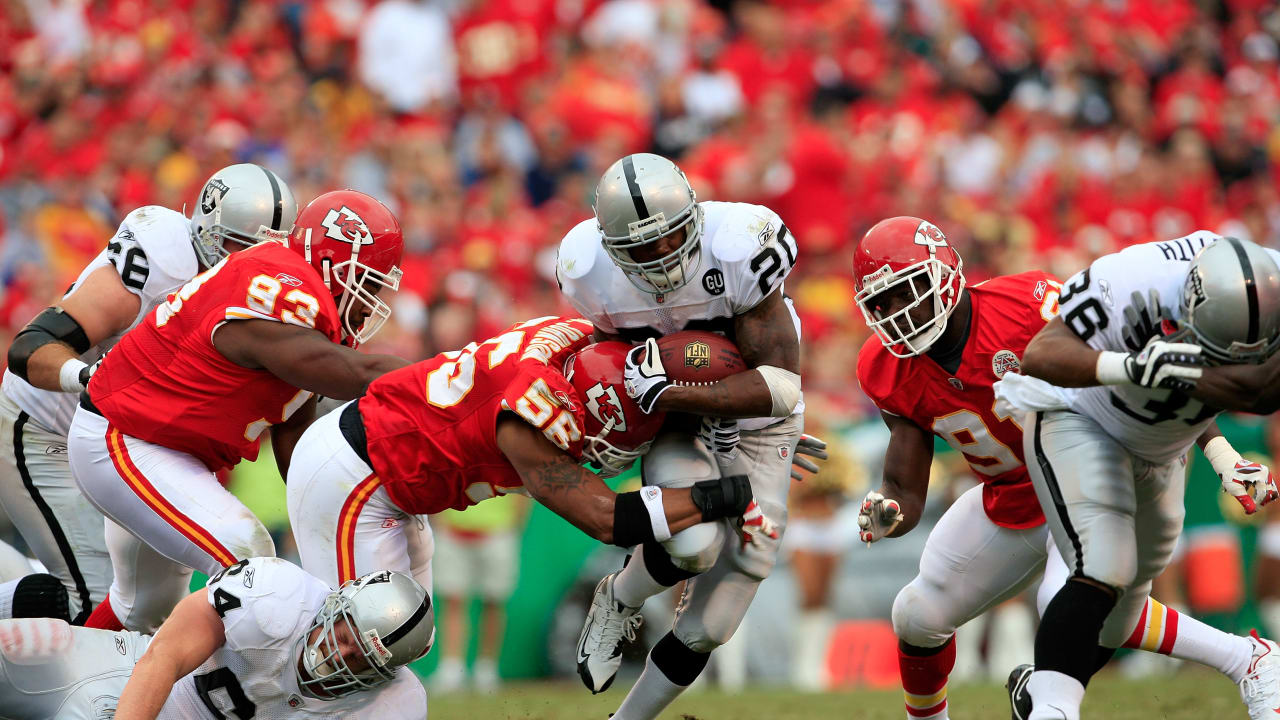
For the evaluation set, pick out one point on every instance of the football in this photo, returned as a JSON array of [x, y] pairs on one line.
[[695, 357]]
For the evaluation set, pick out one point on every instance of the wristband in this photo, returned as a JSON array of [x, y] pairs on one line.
[[1221, 455], [652, 497], [1110, 369], [722, 497], [69, 376], [631, 522]]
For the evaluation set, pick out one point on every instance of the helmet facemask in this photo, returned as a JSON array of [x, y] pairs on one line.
[[324, 672], [609, 458], [669, 272], [930, 281], [361, 284], [210, 240]]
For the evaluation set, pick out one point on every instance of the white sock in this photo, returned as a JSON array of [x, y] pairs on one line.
[[1054, 696], [651, 694], [6, 598], [634, 584], [1228, 654]]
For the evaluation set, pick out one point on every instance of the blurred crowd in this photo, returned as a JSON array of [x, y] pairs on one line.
[[1036, 133]]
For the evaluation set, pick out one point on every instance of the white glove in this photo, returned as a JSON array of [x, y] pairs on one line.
[[755, 526], [1250, 483], [808, 445], [1161, 364], [877, 517], [720, 436], [645, 380]]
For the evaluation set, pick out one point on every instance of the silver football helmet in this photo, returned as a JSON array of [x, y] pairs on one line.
[[245, 203], [1230, 302], [640, 199], [388, 614]]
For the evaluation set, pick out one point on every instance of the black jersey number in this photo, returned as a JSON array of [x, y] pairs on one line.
[[221, 693], [767, 263], [1086, 318], [1076, 283], [133, 267], [1173, 407]]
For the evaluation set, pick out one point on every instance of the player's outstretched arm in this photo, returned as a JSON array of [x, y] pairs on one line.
[[622, 519], [302, 357], [46, 353], [184, 641], [1058, 356], [767, 340], [906, 475]]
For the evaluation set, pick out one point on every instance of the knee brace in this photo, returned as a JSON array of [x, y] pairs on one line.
[[1067, 641], [696, 549], [919, 618], [41, 595], [681, 664]]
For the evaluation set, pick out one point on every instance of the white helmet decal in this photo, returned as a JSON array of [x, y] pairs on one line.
[[930, 236], [613, 408], [344, 225], [214, 191]]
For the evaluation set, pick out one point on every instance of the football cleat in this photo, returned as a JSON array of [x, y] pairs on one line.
[[600, 645], [1260, 686], [1019, 698]]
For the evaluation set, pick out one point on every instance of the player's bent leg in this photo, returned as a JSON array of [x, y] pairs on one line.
[[37, 490], [168, 499], [49, 669], [147, 585], [969, 566], [678, 460]]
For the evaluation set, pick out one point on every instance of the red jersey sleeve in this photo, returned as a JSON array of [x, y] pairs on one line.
[[276, 288]]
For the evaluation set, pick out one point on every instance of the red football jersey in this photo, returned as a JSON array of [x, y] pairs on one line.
[[1007, 312], [431, 427], [166, 383]]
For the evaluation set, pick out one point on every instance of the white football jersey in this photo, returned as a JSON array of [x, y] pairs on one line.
[[1157, 425], [266, 604], [152, 251], [746, 254]]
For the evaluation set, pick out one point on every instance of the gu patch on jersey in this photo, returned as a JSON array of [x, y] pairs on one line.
[[713, 281], [1005, 361]]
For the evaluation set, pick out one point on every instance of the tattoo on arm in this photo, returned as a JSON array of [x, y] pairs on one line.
[[766, 336]]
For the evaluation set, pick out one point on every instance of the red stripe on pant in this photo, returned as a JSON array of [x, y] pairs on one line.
[[347, 517]]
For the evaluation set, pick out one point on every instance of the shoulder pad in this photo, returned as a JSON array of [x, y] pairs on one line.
[[275, 593], [579, 250], [165, 237], [739, 229]]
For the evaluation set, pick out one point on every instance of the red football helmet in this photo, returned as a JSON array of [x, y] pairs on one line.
[[912, 251], [596, 373], [355, 243]]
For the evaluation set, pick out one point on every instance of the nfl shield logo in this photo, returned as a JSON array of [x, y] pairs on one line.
[[784, 451]]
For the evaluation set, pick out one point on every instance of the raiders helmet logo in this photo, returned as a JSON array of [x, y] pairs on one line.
[[1193, 290], [344, 225], [1005, 361], [214, 191], [697, 355], [604, 406]]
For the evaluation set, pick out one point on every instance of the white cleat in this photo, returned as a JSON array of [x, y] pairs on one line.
[[1260, 686], [600, 645]]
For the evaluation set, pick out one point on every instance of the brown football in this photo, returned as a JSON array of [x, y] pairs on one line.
[[694, 357]]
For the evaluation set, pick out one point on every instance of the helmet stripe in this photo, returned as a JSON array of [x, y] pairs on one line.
[[1250, 287], [277, 204], [629, 171], [409, 624]]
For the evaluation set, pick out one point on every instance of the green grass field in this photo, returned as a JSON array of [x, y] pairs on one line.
[[1190, 695]]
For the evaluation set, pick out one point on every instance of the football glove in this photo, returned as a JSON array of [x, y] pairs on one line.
[[877, 517], [720, 436], [1169, 365], [755, 526], [1143, 320], [1251, 484], [645, 379], [808, 445]]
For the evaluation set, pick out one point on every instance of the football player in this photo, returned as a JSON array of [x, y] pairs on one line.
[[263, 639], [237, 351], [496, 417], [1111, 433], [654, 261], [154, 252], [938, 349]]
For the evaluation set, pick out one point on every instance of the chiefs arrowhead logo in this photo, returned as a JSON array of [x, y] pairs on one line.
[[344, 225], [611, 408]]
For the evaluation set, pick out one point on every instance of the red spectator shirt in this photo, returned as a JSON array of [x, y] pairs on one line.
[[167, 384], [1007, 312], [431, 427]]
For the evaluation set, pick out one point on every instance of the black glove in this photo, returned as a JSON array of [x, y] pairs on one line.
[[723, 497], [1143, 320]]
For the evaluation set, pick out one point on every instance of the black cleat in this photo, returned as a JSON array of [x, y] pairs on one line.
[[1019, 698]]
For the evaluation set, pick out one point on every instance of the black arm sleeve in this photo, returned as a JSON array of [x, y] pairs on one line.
[[631, 524], [50, 326]]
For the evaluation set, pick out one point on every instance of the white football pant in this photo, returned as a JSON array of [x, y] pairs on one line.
[[168, 514], [343, 520]]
